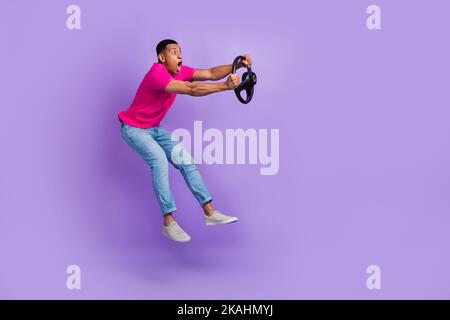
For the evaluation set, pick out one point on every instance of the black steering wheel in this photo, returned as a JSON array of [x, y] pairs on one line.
[[248, 82]]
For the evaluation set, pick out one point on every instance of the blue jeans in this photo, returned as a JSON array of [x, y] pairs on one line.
[[155, 146]]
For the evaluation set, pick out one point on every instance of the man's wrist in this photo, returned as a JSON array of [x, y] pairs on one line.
[[225, 86]]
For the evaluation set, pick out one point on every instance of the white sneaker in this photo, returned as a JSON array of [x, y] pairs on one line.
[[173, 231], [219, 218]]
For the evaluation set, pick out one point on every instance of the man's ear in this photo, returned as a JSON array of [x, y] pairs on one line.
[[161, 57]]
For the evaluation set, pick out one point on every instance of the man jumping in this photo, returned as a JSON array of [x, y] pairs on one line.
[[141, 130]]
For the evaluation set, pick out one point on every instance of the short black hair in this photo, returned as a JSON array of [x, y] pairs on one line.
[[163, 44]]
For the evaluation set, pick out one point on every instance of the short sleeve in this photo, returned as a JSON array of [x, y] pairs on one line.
[[159, 79], [187, 73]]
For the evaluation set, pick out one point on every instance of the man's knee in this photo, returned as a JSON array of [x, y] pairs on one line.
[[188, 167], [180, 157], [157, 160]]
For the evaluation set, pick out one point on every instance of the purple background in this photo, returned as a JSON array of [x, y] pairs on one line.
[[364, 152]]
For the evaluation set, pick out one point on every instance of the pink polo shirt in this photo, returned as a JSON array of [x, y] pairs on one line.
[[151, 102]]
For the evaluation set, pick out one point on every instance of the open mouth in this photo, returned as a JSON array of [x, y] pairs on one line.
[[179, 65]]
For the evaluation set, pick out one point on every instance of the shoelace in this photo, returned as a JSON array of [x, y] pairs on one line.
[[218, 216], [177, 229]]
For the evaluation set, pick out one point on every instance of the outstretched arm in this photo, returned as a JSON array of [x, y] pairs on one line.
[[213, 74], [219, 72], [197, 88]]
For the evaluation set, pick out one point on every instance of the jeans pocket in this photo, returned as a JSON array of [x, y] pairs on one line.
[[129, 134], [124, 132]]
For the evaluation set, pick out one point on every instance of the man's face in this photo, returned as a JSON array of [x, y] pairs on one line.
[[171, 58]]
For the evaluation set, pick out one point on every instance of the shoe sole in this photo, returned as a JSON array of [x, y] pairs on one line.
[[212, 223], [176, 240]]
